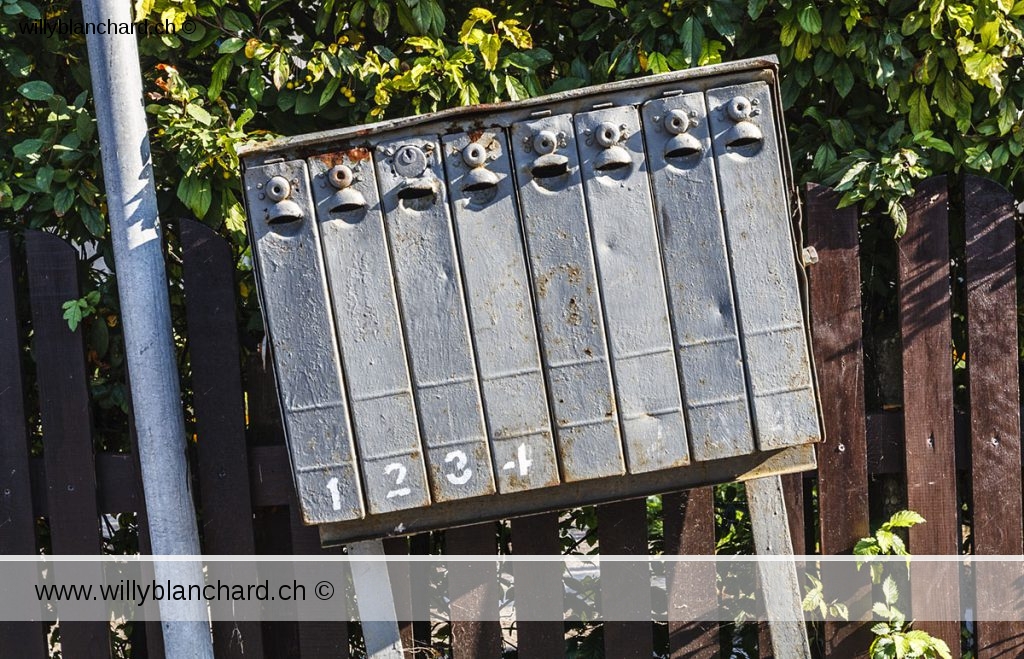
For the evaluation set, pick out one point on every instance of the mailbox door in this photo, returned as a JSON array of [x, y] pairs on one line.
[[759, 236], [490, 246], [433, 310], [565, 288], [298, 316], [700, 289], [632, 288], [369, 330]]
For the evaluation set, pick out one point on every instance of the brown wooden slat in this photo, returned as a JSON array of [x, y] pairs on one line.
[[537, 535], [226, 515], [622, 530], [317, 639], [18, 535], [474, 639], [689, 526], [66, 421], [924, 299], [835, 303], [995, 399]]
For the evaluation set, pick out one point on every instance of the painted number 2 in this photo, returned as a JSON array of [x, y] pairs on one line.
[[462, 472], [399, 479]]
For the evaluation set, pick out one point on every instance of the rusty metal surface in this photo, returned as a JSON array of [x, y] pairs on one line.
[[419, 226], [697, 270], [369, 331], [295, 306], [621, 213], [486, 216], [757, 212], [571, 299], [566, 294]]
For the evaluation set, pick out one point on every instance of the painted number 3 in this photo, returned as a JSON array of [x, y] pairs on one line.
[[462, 472]]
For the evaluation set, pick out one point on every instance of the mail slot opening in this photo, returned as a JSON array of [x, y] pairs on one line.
[[612, 166], [413, 193], [683, 152], [741, 142], [480, 186], [553, 170], [348, 207], [284, 216]]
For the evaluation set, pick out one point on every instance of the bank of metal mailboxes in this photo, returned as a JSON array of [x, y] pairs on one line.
[[501, 310]]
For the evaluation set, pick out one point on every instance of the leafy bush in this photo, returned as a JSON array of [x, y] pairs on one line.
[[877, 96]]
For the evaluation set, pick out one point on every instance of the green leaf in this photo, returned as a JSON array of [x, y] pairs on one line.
[[63, 201], [329, 91], [72, 314], [890, 590], [199, 114], [809, 18], [843, 78], [381, 16], [481, 15], [657, 63], [692, 39], [29, 10], [43, 178], [219, 74], [610, 4], [899, 218], [231, 45], [904, 519], [920, 114], [490, 44], [37, 90], [755, 7], [92, 220]]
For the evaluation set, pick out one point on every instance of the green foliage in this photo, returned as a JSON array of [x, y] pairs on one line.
[[894, 637], [76, 310]]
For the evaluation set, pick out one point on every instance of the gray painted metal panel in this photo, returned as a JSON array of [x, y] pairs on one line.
[[490, 244], [419, 227], [369, 330], [295, 307], [621, 213], [697, 270], [747, 155], [565, 287]]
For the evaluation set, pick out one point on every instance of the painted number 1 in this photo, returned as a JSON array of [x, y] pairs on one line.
[[332, 487]]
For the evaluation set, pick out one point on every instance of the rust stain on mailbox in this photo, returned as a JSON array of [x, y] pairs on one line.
[[514, 308]]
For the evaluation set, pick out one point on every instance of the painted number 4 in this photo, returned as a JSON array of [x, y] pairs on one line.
[[522, 461]]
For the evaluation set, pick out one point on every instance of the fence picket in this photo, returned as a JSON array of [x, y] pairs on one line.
[[925, 312], [473, 639], [622, 529], [689, 527], [537, 535], [995, 399], [209, 278], [835, 303], [67, 426], [19, 534]]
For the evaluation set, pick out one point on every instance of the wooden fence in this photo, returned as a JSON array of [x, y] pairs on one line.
[[247, 503]]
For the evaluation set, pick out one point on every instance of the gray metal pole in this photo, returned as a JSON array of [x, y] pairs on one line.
[[146, 318]]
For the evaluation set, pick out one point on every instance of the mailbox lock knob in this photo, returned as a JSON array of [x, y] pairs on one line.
[[740, 109], [677, 122], [545, 142], [278, 188], [410, 161], [340, 176], [474, 155], [607, 134]]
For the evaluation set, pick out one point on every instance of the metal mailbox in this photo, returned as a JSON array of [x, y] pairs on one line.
[[573, 299]]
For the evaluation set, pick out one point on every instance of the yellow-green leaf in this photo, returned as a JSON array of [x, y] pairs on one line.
[[920, 114]]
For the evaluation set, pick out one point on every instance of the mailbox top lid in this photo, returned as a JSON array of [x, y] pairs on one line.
[[302, 146]]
